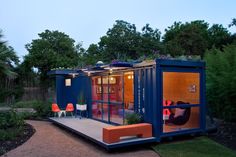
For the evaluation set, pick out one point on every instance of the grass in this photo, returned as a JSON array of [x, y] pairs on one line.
[[197, 147]]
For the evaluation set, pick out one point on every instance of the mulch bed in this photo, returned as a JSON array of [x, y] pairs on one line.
[[6, 146], [225, 135]]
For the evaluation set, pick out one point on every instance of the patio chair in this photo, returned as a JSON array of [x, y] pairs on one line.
[[56, 109], [70, 108], [181, 115]]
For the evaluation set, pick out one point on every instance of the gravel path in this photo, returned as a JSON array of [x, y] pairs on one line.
[[50, 140]]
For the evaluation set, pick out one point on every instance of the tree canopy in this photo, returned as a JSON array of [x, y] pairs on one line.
[[221, 81], [124, 42], [186, 39], [53, 49], [8, 59]]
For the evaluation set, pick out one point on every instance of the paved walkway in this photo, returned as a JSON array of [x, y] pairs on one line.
[[49, 140]]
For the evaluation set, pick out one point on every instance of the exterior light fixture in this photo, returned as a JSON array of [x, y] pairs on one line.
[[130, 77], [110, 70], [89, 73], [68, 82], [73, 75]]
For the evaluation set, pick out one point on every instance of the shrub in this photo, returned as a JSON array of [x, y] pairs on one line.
[[10, 119], [133, 118], [26, 104], [10, 133], [10, 125], [221, 82], [43, 109]]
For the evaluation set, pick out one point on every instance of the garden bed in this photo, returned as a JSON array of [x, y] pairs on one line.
[[24, 135]]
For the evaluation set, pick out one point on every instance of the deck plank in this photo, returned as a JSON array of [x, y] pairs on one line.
[[93, 129]]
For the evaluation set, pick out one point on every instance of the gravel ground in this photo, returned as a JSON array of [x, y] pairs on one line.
[[50, 140]]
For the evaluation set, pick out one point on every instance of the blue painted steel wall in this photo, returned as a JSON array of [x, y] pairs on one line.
[[145, 93], [70, 94]]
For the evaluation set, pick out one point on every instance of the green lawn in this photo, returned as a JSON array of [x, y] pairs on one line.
[[197, 147]]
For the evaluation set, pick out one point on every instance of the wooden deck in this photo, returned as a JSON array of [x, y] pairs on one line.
[[92, 130]]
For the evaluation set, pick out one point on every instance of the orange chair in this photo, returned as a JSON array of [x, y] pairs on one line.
[[70, 108], [56, 109]]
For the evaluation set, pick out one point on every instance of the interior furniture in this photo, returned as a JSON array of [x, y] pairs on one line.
[[180, 116]]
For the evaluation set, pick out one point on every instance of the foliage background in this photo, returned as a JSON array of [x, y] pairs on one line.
[[55, 49]]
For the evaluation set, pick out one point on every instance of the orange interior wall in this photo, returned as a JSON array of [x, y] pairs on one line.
[[128, 90], [176, 87]]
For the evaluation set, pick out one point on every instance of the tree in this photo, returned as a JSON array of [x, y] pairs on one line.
[[53, 49], [92, 55], [218, 36], [8, 59], [221, 81], [233, 36], [233, 23], [150, 41], [124, 42], [120, 42], [186, 39], [8, 62]]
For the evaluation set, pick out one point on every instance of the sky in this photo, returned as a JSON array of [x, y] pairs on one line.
[[87, 20]]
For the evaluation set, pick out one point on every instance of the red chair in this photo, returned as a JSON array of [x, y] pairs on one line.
[[166, 111], [56, 109], [70, 108]]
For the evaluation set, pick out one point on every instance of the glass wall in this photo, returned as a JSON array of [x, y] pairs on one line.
[[112, 97], [96, 88], [128, 92], [97, 110], [181, 98]]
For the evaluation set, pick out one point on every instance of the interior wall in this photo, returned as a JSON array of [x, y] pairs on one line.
[[179, 86], [128, 88]]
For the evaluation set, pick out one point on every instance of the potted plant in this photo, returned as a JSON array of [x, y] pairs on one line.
[[133, 118], [82, 106]]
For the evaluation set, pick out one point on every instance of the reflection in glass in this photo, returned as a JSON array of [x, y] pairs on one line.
[[115, 89], [96, 89], [97, 110], [105, 111], [116, 113], [105, 88]]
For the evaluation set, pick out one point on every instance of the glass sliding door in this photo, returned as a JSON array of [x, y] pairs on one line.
[[116, 98], [112, 97], [96, 97]]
